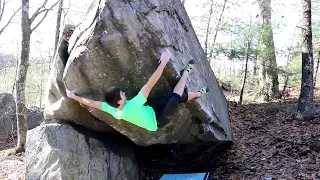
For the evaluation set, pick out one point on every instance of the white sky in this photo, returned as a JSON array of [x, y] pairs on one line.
[[43, 37]]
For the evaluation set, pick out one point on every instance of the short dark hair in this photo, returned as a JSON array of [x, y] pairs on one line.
[[68, 28], [112, 96]]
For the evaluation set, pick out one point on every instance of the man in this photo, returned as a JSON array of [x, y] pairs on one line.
[[63, 48], [157, 113]]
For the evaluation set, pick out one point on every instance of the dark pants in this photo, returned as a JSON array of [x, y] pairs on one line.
[[63, 52], [165, 107]]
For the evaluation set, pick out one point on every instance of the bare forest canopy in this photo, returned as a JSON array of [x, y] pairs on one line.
[[224, 29], [249, 51]]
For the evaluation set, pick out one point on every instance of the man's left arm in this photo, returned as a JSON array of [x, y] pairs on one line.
[[146, 89], [85, 101]]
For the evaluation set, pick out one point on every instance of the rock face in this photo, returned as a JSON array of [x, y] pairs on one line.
[[60, 151], [8, 119], [119, 44]]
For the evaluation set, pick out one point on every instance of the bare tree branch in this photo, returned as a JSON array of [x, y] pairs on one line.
[[9, 21], [217, 28], [2, 8], [36, 13], [44, 16]]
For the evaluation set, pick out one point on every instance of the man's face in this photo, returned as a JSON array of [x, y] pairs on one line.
[[123, 99], [67, 36]]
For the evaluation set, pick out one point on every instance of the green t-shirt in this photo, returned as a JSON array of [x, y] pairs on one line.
[[134, 112]]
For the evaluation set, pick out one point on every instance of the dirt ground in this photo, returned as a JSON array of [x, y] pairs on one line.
[[268, 143], [11, 167]]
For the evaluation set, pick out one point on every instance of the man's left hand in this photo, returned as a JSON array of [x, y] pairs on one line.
[[165, 56]]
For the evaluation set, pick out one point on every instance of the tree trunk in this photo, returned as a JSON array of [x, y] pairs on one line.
[[255, 61], [208, 30], [217, 28], [245, 71], [283, 93], [317, 69], [267, 54], [26, 23], [21, 78], [305, 103], [56, 41]]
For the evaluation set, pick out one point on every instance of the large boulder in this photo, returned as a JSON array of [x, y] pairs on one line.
[[8, 119], [60, 151], [118, 44]]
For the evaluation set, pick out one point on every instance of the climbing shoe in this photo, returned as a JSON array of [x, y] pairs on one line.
[[203, 90], [189, 66]]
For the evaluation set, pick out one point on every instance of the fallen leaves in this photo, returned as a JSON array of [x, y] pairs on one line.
[[269, 142]]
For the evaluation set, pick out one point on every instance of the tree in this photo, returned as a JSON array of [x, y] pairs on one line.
[[317, 69], [2, 9], [27, 29], [270, 84], [305, 103], [217, 27], [58, 25], [316, 49], [249, 41], [208, 30]]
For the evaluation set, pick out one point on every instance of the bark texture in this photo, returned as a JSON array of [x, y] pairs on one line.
[[268, 69], [21, 77], [119, 44], [56, 39], [305, 103]]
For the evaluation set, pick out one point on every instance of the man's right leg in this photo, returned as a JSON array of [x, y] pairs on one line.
[[179, 88]]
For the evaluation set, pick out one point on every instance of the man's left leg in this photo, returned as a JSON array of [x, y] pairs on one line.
[[169, 109], [195, 95]]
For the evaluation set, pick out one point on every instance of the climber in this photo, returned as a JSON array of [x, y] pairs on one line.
[[63, 48], [157, 113]]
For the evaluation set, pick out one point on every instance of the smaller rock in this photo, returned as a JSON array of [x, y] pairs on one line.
[[315, 146], [318, 174], [268, 178], [35, 117]]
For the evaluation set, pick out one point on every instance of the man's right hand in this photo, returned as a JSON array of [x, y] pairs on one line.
[[165, 56], [70, 94]]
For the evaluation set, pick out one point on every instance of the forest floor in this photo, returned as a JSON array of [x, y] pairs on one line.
[[268, 143], [11, 167]]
